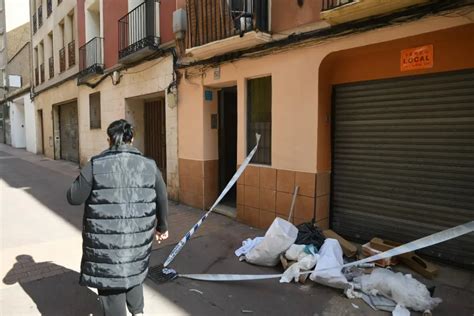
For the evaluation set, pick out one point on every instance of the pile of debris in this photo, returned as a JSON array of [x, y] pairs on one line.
[[306, 252]]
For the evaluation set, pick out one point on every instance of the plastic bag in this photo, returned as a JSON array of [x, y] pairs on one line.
[[278, 238], [330, 256], [403, 289], [310, 234]]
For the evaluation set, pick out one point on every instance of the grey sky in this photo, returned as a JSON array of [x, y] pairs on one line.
[[17, 13]]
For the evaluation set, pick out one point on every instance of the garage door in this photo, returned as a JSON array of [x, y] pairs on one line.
[[69, 130], [403, 160]]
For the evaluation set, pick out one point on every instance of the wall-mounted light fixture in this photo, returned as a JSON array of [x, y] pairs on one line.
[[116, 75]]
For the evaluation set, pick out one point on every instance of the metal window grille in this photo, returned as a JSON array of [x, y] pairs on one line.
[[62, 60], [71, 53], [51, 67], [332, 4]]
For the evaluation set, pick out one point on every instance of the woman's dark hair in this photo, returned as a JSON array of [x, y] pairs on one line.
[[120, 132]]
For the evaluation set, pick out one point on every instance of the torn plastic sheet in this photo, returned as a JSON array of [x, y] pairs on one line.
[[402, 288], [378, 302], [248, 245]]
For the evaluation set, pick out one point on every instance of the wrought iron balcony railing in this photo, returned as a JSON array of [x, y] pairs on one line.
[[91, 57], [49, 7], [213, 20], [71, 53], [62, 60], [51, 67], [137, 29], [42, 78], [332, 4], [40, 16], [35, 26]]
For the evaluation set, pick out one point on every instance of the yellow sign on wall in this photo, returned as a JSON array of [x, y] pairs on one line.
[[416, 58]]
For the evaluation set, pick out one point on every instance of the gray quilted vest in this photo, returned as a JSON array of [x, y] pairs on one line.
[[119, 220]]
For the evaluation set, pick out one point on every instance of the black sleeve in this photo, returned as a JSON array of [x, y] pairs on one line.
[[161, 203], [81, 188]]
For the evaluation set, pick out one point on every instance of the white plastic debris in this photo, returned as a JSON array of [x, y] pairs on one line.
[[197, 291], [248, 245], [306, 262], [278, 238], [378, 302], [351, 292], [403, 289], [330, 255], [355, 306], [400, 311], [294, 252]]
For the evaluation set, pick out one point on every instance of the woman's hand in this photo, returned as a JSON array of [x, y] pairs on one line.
[[161, 236]]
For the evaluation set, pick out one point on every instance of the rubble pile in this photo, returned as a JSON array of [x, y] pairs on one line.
[[307, 251]]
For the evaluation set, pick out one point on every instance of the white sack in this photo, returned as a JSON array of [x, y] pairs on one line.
[[330, 255], [403, 289], [278, 238]]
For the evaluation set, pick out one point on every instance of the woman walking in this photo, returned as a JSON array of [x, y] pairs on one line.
[[126, 205]]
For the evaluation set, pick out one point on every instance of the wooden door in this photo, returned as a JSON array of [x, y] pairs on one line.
[[155, 133]]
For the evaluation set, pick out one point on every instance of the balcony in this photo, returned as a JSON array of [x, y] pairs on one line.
[[342, 11], [42, 73], [37, 82], [49, 7], [71, 53], [91, 61], [62, 60], [217, 27], [51, 67], [35, 26], [40, 16], [138, 36]]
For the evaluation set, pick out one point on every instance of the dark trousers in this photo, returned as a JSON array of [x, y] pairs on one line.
[[114, 301]]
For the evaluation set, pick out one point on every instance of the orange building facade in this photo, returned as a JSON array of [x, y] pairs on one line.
[[303, 76]]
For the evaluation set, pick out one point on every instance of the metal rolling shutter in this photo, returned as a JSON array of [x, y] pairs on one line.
[[403, 160]]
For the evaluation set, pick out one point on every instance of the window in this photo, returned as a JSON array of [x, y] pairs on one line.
[[259, 118], [94, 108]]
